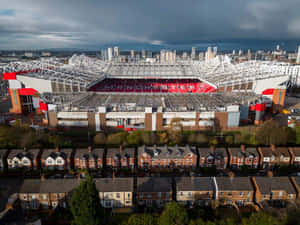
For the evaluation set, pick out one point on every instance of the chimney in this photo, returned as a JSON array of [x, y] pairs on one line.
[[231, 175], [212, 149], [78, 176], [43, 177], [90, 149], [273, 147], [121, 149], [57, 149], [270, 174], [243, 148], [113, 175]]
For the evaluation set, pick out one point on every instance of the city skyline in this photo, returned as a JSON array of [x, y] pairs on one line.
[[57, 24]]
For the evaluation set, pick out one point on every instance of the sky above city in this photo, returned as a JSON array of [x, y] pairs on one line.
[[34, 24]]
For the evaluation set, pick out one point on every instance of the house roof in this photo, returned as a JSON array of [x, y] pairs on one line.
[[114, 184], [268, 184], [117, 152], [267, 152], [85, 153], [20, 153], [154, 184], [237, 152], [194, 183], [64, 153], [283, 151], [170, 152], [204, 152], [30, 186], [296, 151], [234, 184]]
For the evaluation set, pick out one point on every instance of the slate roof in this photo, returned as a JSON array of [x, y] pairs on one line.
[[64, 153], [267, 152], [154, 184], [160, 152], [20, 153], [234, 184], [220, 153], [283, 151], [205, 152], [115, 152], [194, 183], [84, 153], [237, 152], [114, 184], [268, 184]]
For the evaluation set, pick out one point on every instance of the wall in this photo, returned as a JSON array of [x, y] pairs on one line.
[[40, 85]]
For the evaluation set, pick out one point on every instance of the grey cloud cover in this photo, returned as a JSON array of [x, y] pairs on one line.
[[32, 24]]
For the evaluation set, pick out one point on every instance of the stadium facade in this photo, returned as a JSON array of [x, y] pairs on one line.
[[89, 92]]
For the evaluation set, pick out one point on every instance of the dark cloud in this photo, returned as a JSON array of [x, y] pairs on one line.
[[77, 23]]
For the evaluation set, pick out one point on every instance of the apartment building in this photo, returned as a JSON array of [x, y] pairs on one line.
[[115, 192], [88, 158], [234, 190], [23, 158], [61, 159], [154, 191], [195, 190]]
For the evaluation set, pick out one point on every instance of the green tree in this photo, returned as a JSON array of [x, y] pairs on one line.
[[260, 219], [270, 132], [197, 222], [85, 204], [100, 139], [55, 140], [141, 219], [117, 138], [134, 138], [197, 138], [149, 138], [173, 214]]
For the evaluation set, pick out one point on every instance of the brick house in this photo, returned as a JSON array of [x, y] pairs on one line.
[[195, 190], [212, 156], [284, 156], [61, 159], [234, 190], [157, 157], [50, 193], [295, 155], [268, 157], [296, 182], [154, 191], [115, 192], [243, 157], [120, 157], [3, 159], [23, 158], [273, 189], [88, 158]]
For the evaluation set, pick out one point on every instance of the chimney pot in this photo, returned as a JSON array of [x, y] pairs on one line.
[[89, 148], [212, 148], [43, 177], [121, 148], [243, 148], [57, 149]]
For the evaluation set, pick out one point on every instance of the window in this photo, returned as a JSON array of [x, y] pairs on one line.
[[33, 197], [221, 193], [44, 197], [59, 161], [127, 202], [181, 193], [128, 195], [189, 194], [280, 193], [229, 193], [241, 193], [291, 195], [118, 195], [54, 196], [249, 193], [24, 197]]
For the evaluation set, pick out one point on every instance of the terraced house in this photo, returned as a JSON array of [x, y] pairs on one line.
[[23, 158], [234, 190], [195, 190], [61, 159], [243, 157], [273, 190], [157, 157], [154, 191], [89, 158], [120, 157], [268, 157], [115, 192]]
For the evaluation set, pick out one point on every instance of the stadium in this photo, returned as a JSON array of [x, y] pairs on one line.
[[89, 92]]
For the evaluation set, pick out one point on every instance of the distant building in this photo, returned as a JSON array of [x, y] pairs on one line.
[[110, 53], [240, 52], [193, 54], [201, 56], [132, 53], [143, 53], [28, 54], [116, 51], [215, 50], [209, 54], [298, 55], [46, 54]]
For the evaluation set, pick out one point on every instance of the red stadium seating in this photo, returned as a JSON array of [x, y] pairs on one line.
[[153, 86]]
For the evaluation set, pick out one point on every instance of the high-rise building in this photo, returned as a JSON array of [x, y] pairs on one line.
[[132, 53], [240, 52], [149, 54], [215, 50], [193, 53], [233, 52], [116, 51], [278, 48], [298, 55], [249, 54], [143, 53], [110, 53], [167, 56], [209, 54], [201, 56]]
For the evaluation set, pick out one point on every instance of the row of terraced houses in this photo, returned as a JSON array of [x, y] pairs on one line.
[[150, 157], [156, 191]]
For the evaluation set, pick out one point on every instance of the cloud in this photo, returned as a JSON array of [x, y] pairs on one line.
[[61, 23]]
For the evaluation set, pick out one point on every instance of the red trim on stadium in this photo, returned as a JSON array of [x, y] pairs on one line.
[[27, 91], [269, 91]]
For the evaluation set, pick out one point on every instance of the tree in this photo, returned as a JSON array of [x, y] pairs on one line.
[[173, 214], [141, 219], [197, 222], [100, 139], [197, 138], [270, 132], [149, 138], [260, 219], [134, 138], [85, 204], [162, 138], [117, 138]]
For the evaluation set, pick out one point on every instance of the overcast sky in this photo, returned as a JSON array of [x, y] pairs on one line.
[[33, 24]]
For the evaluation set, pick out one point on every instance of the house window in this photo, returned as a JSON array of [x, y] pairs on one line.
[[54, 196], [189, 194], [44, 197], [33, 197], [24, 197], [181, 193], [280, 193], [221, 193], [249, 193], [127, 202], [118, 195], [229, 193], [128, 195], [54, 204], [59, 161], [241, 193], [291, 195]]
